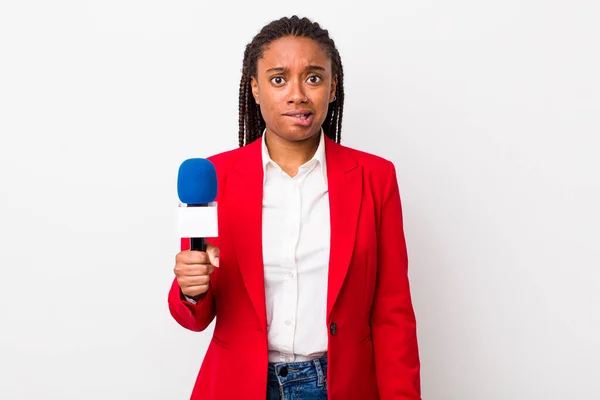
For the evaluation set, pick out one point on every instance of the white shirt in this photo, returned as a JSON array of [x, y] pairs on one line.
[[296, 234]]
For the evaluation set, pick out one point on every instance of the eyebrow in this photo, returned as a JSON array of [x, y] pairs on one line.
[[310, 68]]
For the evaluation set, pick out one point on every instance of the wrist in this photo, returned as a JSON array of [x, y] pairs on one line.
[[191, 299]]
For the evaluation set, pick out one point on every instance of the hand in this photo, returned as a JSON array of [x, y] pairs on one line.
[[193, 269]]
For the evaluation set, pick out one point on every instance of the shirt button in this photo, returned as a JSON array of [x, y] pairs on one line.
[[333, 328], [291, 275], [288, 322]]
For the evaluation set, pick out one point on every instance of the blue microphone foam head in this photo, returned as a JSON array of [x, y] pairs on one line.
[[197, 181]]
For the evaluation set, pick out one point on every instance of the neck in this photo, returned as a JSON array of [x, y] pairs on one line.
[[290, 155]]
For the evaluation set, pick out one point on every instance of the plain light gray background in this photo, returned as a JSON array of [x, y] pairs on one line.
[[489, 110]]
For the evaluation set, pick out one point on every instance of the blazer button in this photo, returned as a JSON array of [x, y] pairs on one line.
[[333, 329]]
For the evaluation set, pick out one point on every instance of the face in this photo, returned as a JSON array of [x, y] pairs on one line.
[[294, 86]]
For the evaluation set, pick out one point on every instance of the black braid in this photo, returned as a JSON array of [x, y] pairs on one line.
[[251, 122]]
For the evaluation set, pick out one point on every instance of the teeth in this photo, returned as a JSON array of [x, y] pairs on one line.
[[301, 116]]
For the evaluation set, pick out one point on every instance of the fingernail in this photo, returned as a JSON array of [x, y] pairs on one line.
[[216, 262]]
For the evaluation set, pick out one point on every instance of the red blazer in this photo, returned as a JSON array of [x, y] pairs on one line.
[[372, 344]]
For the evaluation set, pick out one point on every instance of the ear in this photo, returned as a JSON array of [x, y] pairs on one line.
[[254, 85], [334, 83]]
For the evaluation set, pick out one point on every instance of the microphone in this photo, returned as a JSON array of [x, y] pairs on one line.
[[197, 189]]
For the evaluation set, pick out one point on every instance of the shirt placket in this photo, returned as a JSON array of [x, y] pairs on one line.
[[290, 292]]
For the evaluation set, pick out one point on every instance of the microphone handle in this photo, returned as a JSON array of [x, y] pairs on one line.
[[198, 244]]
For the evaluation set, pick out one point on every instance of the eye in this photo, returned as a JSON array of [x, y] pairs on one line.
[[277, 80], [314, 79]]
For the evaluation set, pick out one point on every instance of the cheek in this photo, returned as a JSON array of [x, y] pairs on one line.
[[323, 105], [271, 107], [323, 96]]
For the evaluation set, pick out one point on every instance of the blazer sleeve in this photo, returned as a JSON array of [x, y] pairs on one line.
[[195, 317], [393, 321]]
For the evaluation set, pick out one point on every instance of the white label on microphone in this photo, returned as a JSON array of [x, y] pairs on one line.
[[197, 222]]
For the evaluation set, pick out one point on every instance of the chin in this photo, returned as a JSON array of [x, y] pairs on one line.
[[298, 133], [298, 136]]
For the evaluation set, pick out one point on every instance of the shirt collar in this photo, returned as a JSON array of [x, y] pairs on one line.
[[319, 155]]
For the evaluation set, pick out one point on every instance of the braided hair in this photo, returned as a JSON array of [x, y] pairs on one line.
[[251, 121]]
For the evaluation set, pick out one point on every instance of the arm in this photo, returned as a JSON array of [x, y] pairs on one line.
[[195, 317], [392, 319]]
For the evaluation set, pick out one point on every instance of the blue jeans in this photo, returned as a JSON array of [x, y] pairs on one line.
[[298, 381]]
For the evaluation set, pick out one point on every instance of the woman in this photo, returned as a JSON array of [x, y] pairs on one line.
[[308, 277]]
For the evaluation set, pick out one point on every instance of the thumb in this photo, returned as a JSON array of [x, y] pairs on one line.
[[213, 254]]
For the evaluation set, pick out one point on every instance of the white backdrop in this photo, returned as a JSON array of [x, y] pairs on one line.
[[489, 110]]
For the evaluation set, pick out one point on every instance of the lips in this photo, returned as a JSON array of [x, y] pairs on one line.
[[301, 117], [298, 113]]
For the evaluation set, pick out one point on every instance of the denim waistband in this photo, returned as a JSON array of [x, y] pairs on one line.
[[283, 373]]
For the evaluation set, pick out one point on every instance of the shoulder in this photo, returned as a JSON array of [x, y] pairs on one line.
[[374, 166], [226, 160], [368, 160], [227, 157], [378, 173]]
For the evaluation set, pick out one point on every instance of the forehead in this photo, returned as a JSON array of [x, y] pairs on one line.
[[290, 52]]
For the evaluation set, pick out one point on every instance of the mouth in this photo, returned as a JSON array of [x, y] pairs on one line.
[[302, 117]]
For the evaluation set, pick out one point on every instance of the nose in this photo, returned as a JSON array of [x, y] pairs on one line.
[[296, 95]]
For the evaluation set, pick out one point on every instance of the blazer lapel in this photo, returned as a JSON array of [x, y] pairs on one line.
[[245, 192], [345, 193]]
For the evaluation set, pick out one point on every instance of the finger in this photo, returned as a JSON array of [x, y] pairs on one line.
[[210, 267], [213, 255], [188, 281], [195, 290], [193, 269], [193, 257]]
